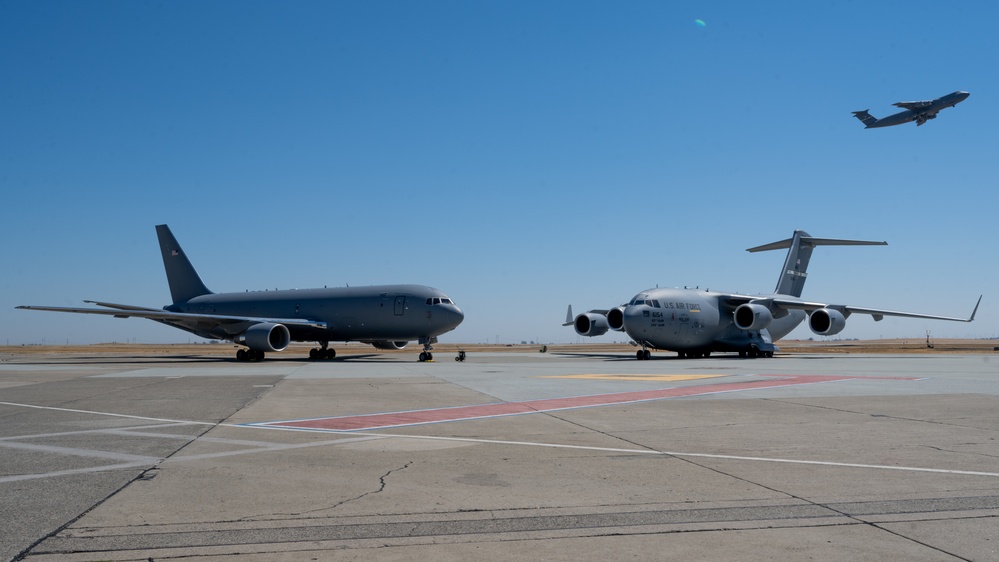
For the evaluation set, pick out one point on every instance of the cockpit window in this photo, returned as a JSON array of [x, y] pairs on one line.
[[439, 300]]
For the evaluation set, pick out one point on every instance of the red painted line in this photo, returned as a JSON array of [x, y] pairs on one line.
[[438, 415]]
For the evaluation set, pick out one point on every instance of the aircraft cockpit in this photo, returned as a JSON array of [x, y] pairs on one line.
[[440, 300], [638, 301]]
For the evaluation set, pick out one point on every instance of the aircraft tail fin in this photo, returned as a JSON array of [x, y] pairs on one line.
[[185, 283], [865, 117], [800, 246]]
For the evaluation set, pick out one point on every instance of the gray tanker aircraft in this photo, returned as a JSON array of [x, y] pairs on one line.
[[918, 111], [695, 323], [387, 316]]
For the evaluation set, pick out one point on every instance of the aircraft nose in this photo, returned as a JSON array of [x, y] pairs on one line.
[[451, 317], [632, 318]]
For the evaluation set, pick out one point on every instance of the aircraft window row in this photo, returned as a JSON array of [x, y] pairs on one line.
[[439, 300]]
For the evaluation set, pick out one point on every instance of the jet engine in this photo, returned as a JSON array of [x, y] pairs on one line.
[[615, 319], [591, 324], [827, 322], [265, 336], [751, 316], [388, 344]]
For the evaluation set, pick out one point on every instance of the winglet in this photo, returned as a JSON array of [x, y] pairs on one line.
[[568, 317], [974, 312]]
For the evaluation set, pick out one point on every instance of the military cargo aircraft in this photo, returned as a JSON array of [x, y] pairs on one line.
[[387, 316], [695, 323], [918, 111]]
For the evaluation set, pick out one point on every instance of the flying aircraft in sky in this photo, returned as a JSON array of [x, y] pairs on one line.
[[918, 111], [386, 316], [695, 322]]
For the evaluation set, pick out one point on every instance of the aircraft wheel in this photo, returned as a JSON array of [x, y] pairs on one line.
[[330, 353], [241, 355], [423, 356], [647, 355], [256, 355], [639, 355], [770, 354], [742, 354], [313, 353], [430, 356]]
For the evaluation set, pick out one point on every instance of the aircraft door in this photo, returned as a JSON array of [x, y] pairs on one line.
[[400, 305]]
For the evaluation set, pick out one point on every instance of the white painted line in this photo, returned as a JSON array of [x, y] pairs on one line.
[[21, 477], [484, 442], [78, 452], [107, 414]]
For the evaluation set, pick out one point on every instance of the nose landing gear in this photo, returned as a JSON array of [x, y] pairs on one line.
[[425, 355]]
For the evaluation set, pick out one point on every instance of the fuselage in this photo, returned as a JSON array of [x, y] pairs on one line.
[[385, 312], [696, 320], [928, 112]]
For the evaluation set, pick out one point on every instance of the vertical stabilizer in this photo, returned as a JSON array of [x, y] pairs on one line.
[[800, 246], [865, 117], [185, 283]]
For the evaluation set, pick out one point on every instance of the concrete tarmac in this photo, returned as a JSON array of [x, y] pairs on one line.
[[504, 456]]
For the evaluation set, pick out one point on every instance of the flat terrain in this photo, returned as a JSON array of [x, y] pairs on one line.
[[856, 451]]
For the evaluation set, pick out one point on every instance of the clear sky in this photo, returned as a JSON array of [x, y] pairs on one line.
[[518, 155]]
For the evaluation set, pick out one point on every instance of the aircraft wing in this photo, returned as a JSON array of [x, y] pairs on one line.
[[913, 105], [846, 310], [180, 318]]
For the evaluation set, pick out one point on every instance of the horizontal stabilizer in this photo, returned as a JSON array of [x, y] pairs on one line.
[[816, 242]]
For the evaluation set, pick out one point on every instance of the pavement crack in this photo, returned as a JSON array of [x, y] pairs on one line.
[[382, 483]]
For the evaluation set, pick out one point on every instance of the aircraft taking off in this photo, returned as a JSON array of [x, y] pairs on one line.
[[387, 316], [918, 111], [695, 323]]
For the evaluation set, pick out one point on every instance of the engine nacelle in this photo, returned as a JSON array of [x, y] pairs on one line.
[[265, 337], [388, 344], [615, 319], [751, 316], [591, 324], [827, 322]]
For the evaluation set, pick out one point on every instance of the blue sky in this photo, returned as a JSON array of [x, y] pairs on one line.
[[520, 156]]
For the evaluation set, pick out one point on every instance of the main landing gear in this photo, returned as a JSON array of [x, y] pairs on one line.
[[324, 352], [249, 355]]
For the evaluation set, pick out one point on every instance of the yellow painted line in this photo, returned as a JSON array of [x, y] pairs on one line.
[[661, 378]]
